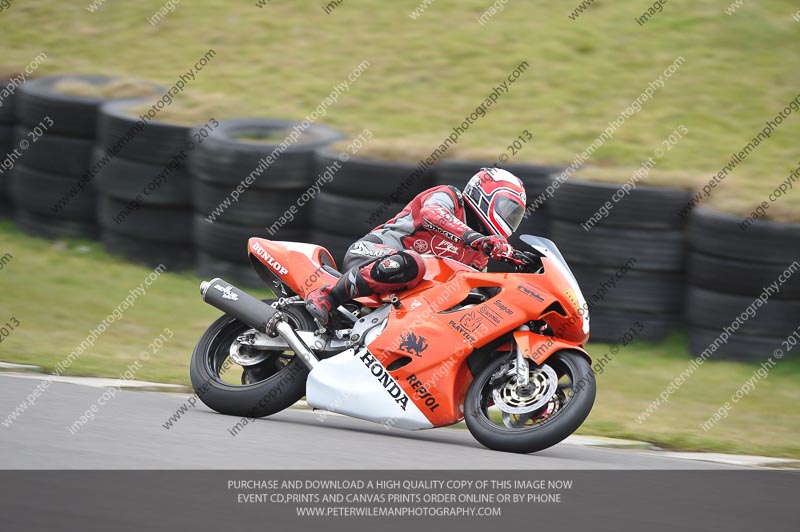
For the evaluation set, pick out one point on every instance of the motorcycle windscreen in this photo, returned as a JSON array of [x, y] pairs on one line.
[[547, 248]]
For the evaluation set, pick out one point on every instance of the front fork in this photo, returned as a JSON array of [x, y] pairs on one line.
[[523, 370]]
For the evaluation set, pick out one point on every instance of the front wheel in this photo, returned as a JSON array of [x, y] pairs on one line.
[[504, 417]]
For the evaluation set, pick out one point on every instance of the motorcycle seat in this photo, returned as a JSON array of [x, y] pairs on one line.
[[331, 270]]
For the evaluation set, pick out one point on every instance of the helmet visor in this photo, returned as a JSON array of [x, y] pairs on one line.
[[509, 211]]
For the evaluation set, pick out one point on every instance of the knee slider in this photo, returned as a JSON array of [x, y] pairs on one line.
[[400, 267]]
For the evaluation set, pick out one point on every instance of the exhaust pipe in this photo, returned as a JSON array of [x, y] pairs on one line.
[[259, 315]]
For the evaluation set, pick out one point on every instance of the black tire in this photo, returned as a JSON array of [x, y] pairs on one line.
[[225, 158], [739, 347], [148, 222], [72, 115], [256, 207], [266, 397], [8, 111], [6, 138], [148, 252], [654, 292], [157, 143], [644, 207], [124, 179], [716, 233], [547, 433], [535, 224], [208, 267], [738, 276], [6, 147], [229, 241], [715, 310], [351, 217], [55, 154], [658, 250], [624, 326], [35, 224], [336, 244], [39, 192], [374, 180]]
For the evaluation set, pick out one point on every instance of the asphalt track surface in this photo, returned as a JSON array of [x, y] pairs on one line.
[[128, 433]]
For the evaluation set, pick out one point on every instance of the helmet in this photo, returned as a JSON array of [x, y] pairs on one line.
[[498, 199]]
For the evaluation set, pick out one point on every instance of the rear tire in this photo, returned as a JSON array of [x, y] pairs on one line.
[[279, 390], [547, 431]]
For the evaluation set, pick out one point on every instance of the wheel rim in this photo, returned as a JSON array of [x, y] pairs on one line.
[[223, 370], [529, 410]]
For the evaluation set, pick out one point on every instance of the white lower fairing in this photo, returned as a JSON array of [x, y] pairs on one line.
[[354, 383]]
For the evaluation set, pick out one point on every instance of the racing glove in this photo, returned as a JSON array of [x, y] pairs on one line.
[[494, 246]]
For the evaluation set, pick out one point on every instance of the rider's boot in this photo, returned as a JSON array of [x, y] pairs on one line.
[[322, 301]]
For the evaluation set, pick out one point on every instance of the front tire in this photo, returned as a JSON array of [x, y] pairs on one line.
[[253, 391], [542, 427]]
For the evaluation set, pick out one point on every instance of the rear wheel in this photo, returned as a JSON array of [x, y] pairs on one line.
[[274, 382], [506, 417]]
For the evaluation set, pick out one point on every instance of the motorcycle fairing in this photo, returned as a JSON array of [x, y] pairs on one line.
[[355, 384], [429, 337]]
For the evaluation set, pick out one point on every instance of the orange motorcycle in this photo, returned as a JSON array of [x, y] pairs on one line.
[[502, 351]]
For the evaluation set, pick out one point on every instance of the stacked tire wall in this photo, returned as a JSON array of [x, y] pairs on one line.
[[8, 120], [362, 195], [145, 191], [51, 183], [244, 184], [744, 287], [629, 260]]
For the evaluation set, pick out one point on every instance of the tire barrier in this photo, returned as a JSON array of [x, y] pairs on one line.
[[628, 254], [375, 180], [146, 233], [8, 114], [237, 149], [55, 154], [72, 115], [126, 179], [146, 214], [256, 207], [57, 131], [246, 174], [43, 226], [175, 256], [6, 147], [157, 143], [744, 294], [8, 120], [207, 266], [764, 242], [36, 191], [225, 245]]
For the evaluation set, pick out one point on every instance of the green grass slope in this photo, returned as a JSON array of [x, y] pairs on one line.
[[427, 73]]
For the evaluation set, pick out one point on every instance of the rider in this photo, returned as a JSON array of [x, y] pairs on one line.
[[442, 221]]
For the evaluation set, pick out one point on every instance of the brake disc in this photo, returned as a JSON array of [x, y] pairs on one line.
[[510, 399]]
